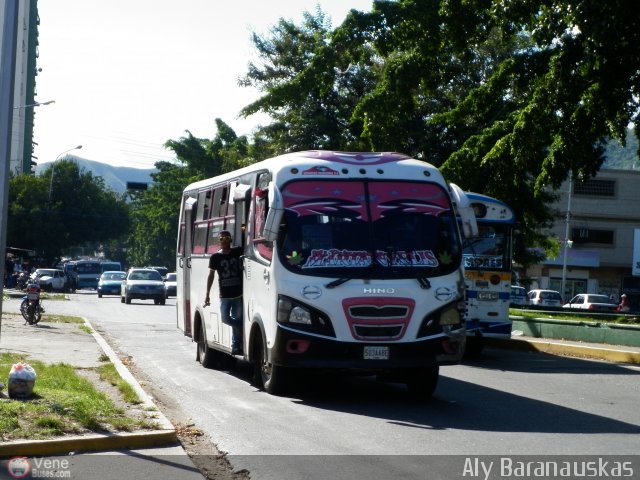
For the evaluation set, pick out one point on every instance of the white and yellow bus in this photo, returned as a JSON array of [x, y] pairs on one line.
[[488, 263], [352, 262]]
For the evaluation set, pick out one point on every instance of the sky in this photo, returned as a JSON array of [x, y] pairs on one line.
[[128, 75]]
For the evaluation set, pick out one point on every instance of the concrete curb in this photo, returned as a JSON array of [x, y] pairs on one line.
[[88, 443], [575, 349], [166, 435]]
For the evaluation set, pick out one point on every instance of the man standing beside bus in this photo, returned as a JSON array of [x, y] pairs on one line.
[[227, 262]]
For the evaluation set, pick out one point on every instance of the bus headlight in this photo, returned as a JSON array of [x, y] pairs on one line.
[[290, 313], [450, 316], [300, 315], [303, 317]]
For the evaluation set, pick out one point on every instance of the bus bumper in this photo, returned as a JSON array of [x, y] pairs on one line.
[[300, 350]]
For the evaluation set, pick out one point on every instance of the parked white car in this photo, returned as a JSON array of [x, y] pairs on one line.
[[50, 279], [518, 296], [170, 285], [545, 298], [593, 302]]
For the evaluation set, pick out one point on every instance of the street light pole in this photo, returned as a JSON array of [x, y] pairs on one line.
[[566, 237], [36, 104], [53, 169]]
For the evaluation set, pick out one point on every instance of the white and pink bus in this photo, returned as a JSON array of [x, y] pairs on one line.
[[352, 262]]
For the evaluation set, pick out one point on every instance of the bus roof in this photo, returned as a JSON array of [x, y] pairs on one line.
[[325, 163], [495, 210]]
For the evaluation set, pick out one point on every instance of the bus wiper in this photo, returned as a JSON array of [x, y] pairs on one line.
[[424, 283], [337, 282]]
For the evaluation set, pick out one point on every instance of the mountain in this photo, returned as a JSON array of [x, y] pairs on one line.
[[115, 178], [623, 158]]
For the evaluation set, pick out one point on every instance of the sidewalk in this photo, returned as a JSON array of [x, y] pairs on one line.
[[62, 342]]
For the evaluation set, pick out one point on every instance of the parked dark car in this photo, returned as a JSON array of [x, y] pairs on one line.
[[143, 284], [162, 270]]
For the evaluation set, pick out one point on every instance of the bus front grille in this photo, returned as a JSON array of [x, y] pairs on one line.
[[378, 318], [378, 332], [375, 312]]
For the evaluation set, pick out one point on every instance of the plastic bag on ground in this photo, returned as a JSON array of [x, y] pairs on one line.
[[22, 378]]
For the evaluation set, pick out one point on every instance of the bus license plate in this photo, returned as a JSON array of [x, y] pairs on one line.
[[372, 352]]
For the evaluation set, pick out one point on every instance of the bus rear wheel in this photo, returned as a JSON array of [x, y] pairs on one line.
[[206, 355], [271, 378]]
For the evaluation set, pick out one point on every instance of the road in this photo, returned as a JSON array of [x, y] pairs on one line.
[[505, 403]]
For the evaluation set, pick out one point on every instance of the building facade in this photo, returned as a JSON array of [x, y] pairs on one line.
[[602, 219], [20, 159]]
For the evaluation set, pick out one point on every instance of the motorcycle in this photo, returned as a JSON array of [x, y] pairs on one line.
[[31, 306], [22, 280]]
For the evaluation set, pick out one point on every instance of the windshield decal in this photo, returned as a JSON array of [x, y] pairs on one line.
[[482, 261], [336, 258], [333, 257], [414, 258], [348, 198], [320, 171]]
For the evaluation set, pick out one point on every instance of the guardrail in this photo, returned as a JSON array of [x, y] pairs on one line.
[[580, 330]]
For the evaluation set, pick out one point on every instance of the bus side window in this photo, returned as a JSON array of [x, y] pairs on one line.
[[201, 224], [261, 207], [218, 214]]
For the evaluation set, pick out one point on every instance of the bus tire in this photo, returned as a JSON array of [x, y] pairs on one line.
[[271, 378], [474, 346], [422, 382], [206, 355]]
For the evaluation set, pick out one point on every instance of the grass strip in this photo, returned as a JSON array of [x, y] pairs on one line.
[[63, 402]]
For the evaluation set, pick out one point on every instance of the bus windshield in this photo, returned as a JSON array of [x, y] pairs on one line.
[[88, 267], [489, 250], [368, 229]]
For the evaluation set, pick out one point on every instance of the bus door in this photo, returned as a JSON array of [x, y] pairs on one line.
[[183, 291], [262, 228], [241, 201]]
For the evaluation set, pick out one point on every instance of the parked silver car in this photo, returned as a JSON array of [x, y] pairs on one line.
[[143, 284], [545, 298]]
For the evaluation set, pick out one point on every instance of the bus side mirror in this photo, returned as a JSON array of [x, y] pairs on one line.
[[274, 215], [465, 211]]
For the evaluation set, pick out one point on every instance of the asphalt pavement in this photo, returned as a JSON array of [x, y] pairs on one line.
[[143, 454], [156, 454]]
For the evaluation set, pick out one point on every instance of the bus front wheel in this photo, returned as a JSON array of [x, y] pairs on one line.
[[272, 378], [422, 382]]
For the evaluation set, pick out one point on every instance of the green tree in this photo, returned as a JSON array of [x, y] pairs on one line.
[[53, 215], [310, 89], [155, 211], [154, 217], [506, 97]]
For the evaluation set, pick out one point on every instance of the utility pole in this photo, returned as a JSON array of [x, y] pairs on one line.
[[567, 242], [7, 81]]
